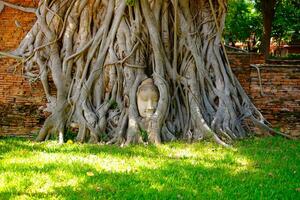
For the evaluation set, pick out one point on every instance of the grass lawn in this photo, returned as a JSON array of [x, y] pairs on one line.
[[257, 168]]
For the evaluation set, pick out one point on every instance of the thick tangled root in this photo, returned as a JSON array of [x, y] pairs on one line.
[[97, 53]]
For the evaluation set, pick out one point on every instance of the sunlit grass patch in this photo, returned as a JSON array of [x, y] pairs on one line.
[[253, 169]]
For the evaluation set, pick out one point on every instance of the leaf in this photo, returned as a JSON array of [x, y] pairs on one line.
[[70, 142], [297, 189], [90, 174]]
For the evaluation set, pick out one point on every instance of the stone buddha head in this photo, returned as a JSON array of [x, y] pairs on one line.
[[147, 98]]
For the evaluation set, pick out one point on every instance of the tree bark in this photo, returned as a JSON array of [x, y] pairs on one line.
[[268, 12]]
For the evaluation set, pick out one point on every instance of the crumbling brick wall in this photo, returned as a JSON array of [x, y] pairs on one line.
[[278, 98], [240, 63], [19, 100], [14, 24]]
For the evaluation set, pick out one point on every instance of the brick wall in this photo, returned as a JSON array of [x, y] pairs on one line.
[[240, 63], [241, 60], [279, 97], [15, 24], [19, 100]]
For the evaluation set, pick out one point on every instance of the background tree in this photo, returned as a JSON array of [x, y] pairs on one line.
[[242, 21], [286, 20], [267, 8], [98, 52], [246, 17]]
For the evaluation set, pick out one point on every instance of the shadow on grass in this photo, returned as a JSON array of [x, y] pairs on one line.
[[11, 144], [273, 173], [172, 181]]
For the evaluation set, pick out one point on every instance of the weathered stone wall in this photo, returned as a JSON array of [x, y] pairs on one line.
[[19, 100]]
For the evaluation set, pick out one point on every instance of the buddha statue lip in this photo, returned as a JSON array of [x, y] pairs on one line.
[[149, 112], [147, 98]]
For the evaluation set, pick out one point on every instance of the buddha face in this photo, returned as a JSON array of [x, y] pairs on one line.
[[147, 98]]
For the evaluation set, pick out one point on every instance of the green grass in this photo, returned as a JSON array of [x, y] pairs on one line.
[[267, 168]]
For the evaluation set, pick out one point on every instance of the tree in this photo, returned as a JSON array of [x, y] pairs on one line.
[[242, 20], [98, 52], [267, 8], [286, 20]]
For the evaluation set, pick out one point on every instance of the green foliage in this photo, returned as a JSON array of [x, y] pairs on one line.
[[130, 2], [286, 20], [242, 20], [69, 135], [144, 134], [266, 168], [245, 18], [293, 56], [104, 137], [288, 57], [113, 105]]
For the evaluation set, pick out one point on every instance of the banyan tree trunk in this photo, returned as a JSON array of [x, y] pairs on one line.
[[98, 52]]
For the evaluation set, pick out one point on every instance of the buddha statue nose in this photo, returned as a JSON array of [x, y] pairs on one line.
[[150, 104]]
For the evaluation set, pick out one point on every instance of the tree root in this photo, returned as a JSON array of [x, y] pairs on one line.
[[21, 8], [97, 53]]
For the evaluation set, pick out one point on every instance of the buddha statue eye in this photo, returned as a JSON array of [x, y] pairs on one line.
[[155, 98]]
